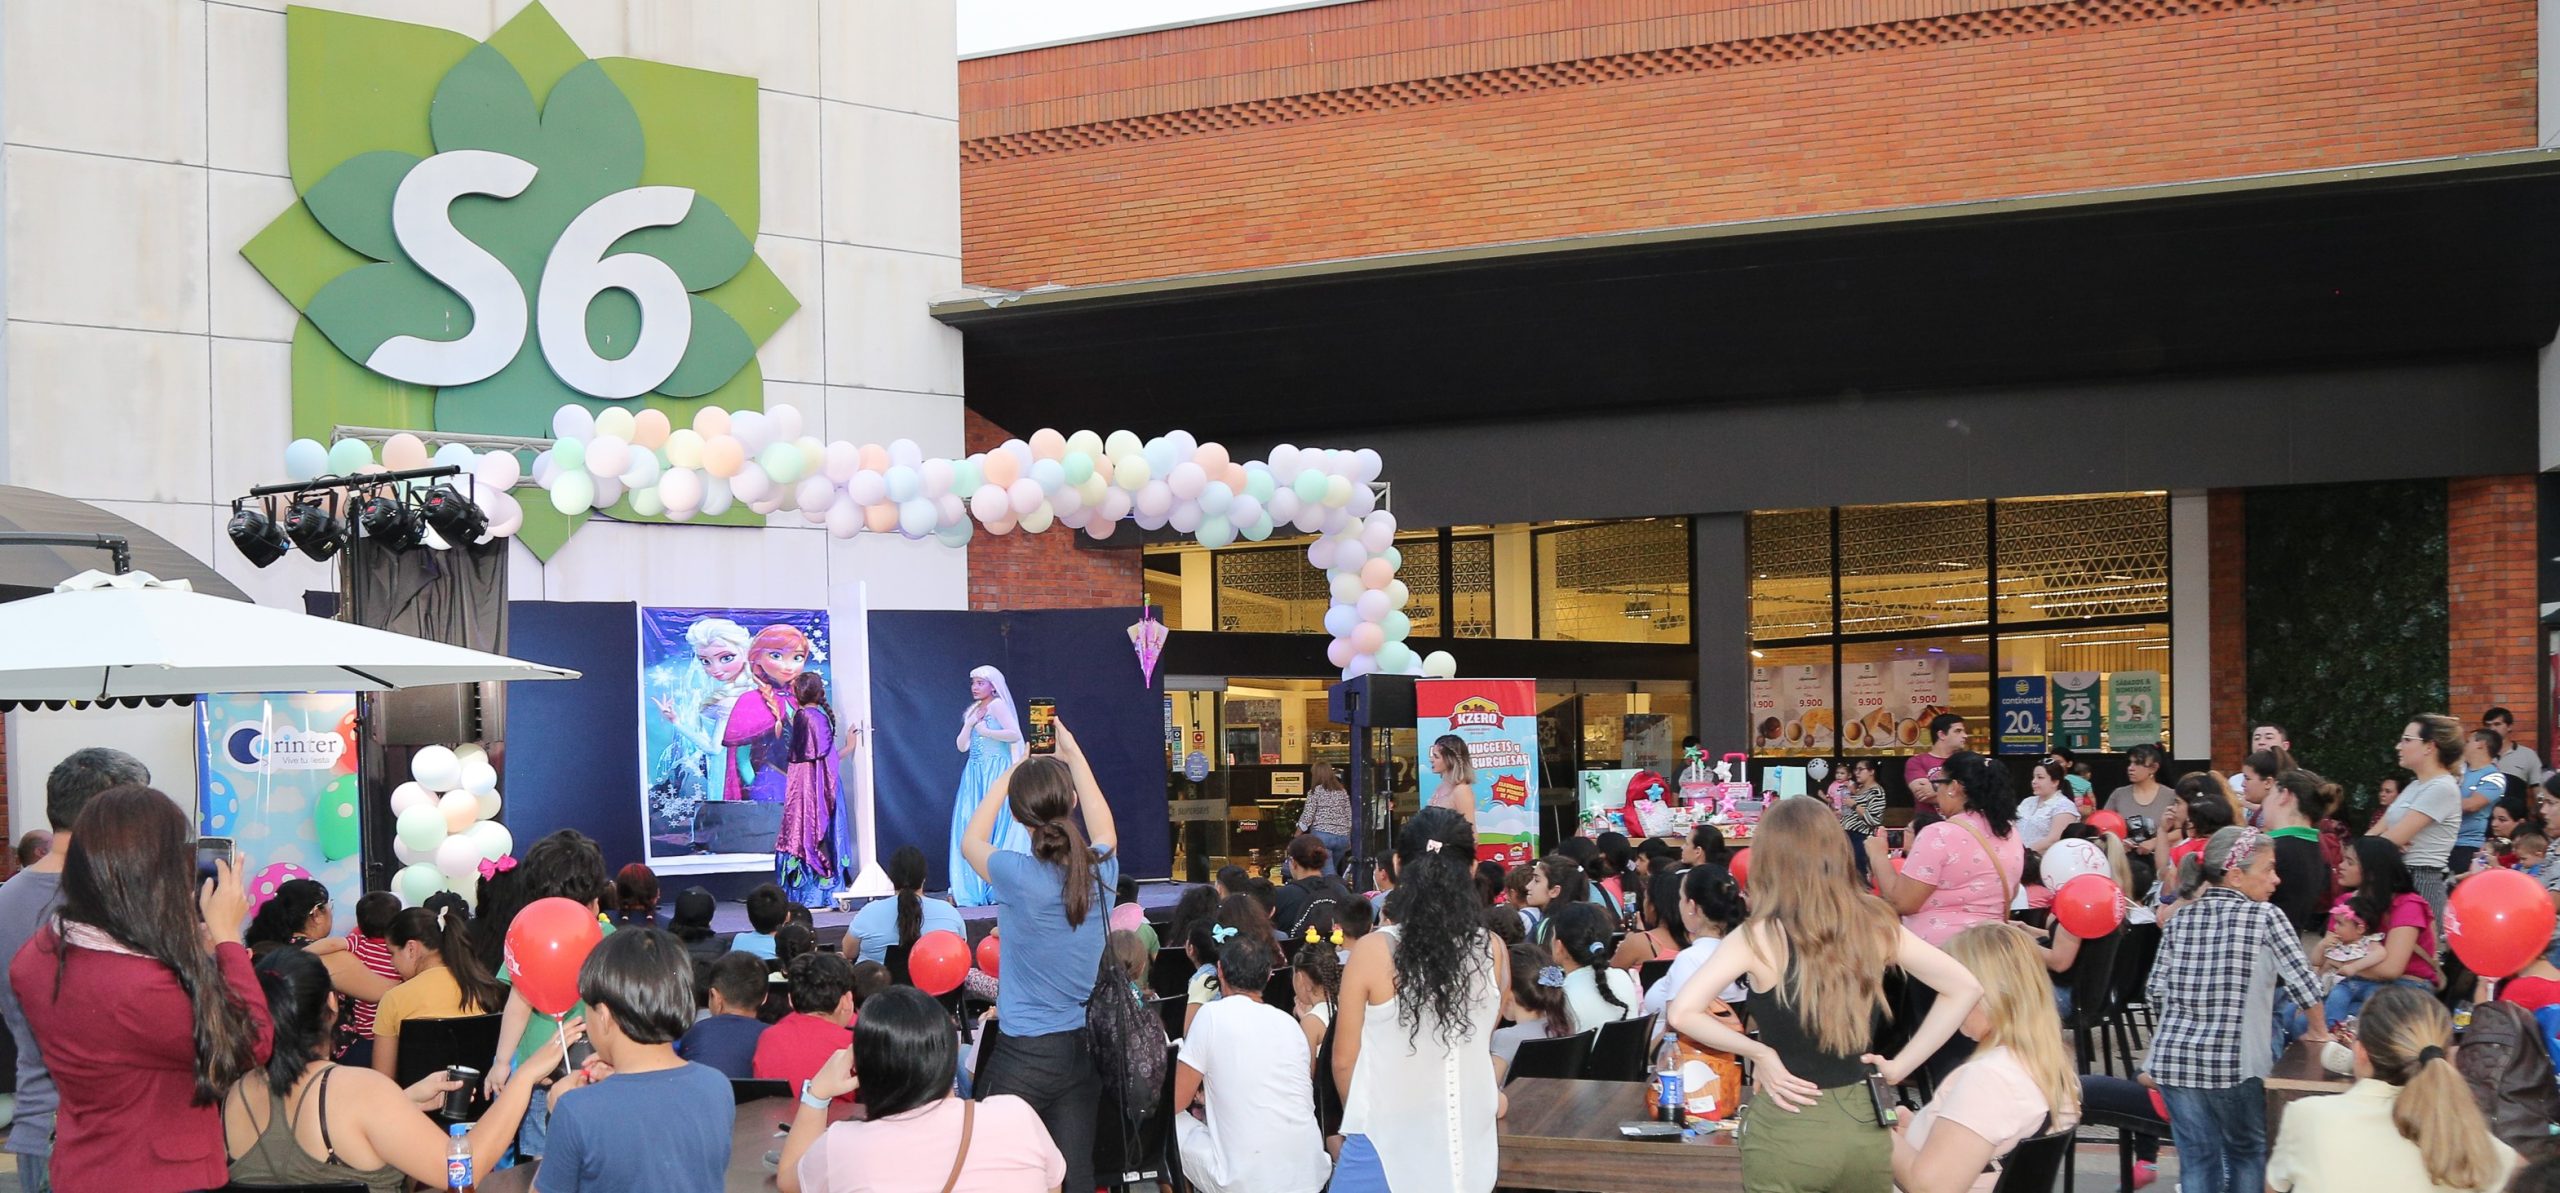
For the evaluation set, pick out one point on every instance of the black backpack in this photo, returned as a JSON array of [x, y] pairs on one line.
[[2503, 1060], [1129, 1052]]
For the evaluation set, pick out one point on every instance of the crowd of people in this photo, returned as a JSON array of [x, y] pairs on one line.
[[171, 1037]]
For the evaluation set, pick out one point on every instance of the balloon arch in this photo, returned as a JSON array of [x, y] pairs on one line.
[[1081, 481]]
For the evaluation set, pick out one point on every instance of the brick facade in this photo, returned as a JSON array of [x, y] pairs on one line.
[[1046, 570], [1396, 125], [2495, 655], [2227, 581]]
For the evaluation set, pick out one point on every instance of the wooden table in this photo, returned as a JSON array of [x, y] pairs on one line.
[[2299, 1074], [757, 1130], [1561, 1134]]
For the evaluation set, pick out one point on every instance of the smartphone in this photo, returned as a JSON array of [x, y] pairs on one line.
[[1893, 837], [1888, 1104], [1043, 725], [209, 852]]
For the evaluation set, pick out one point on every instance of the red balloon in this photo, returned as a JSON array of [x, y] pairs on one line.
[[1739, 865], [346, 763], [2498, 922], [2088, 906], [546, 944], [2108, 823], [938, 962], [989, 953]]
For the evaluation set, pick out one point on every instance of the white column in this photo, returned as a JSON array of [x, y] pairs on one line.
[[2191, 675]]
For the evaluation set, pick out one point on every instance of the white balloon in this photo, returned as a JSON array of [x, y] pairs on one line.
[[608, 491], [1185, 517], [751, 485], [1283, 505], [492, 839], [458, 857], [867, 487], [717, 496], [816, 493], [644, 470], [1439, 665], [1399, 594], [1026, 496], [1154, 501], [905, 451], [460, 809], [435, 768], [1366, 465], [545, 469], [478, 775], [500, 470], [410, 857], [844, 518], [1113, 507], [1320, 553], [842, 461], [784, 419], [572, 421], [506, 515], [681, 490], [608, 456], [470, 750], [407, 796]]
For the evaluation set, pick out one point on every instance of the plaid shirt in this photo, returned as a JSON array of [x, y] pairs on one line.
[[2201, 983]]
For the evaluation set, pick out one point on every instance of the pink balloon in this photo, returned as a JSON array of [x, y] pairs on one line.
[[875, 457], [1186, 480], [1048, 444], [1338, 652], [1025, 494], [404, 451], [1003, 468], [1367, 637], [650, 428], [1212, 458], [723, 455], [263, 887], [1235, 476], [1377, 573], [990, 502], [710, 422]]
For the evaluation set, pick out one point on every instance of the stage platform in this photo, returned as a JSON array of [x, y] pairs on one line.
[[1157, 898]]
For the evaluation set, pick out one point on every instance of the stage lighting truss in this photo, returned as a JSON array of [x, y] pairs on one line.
[[321, 516]]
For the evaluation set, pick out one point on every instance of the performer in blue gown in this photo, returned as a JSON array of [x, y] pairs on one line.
[[991, 735]]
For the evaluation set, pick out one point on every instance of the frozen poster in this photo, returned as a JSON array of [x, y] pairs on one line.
[[276, 774], [720, 690]]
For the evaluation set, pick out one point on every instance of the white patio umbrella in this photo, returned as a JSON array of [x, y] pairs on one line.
[[102, 637]]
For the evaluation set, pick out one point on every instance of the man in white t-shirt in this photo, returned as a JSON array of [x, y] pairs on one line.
[[1243, 1083]]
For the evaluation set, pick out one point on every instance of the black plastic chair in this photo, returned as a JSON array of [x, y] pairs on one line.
[[430, 1046], [895, 957], [1170, 973], [2127, 1128], [1169, 1009], [2093, 996], [745, 1091], [1126, 1157], [2130, 1018], [1559, 1056], [1652, 971], [2035, 1164], [1282, 990], [1618, 1053]]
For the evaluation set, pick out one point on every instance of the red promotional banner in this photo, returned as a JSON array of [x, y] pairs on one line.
[[1498, 721]]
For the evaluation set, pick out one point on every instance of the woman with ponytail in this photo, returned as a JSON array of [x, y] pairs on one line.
[[899, 921], [1053, 909], [1595, 991], [2409, 1121], [1412, 1045], [1965, 869], [440, 978]]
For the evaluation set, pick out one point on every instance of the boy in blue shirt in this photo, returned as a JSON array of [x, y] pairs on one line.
[[656, 1121], [726, 1039], [768, 909]]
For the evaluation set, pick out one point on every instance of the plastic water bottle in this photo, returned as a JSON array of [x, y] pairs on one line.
[[457, 1159], [1670, 1100]]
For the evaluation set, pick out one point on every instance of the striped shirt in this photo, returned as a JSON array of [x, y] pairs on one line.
[[374, 954]]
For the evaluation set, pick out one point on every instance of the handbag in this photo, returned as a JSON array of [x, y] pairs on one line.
[[968, 1123]]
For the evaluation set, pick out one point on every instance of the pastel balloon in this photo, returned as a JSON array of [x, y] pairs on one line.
[[1377, 573], [1340, 620], [681, 489], [1215, 531], [617, 422], [711, 422], [1025, 495], [404, 451], [459, 808], [1310, 487], [717, 497], [422, 827], [1216, 497], [905, 451], [881, 518], [955, 535], [410, 795], [1047, 444], [1373, 607], [815, 493], [414, 883], [751, 428], [1399, 594], [1086, 442], [1338, 652], [1155, 500], [1122, 443], [608, 455], [643, 472], [650, 429], [1185, 516], [1366, 465], [1360, 665], [867, 488], [751, 484], [573, 421], [477, 774], [1132, 472], [435, 768], [968, 474], [844, 518], [1211, 457], [1440, 664], [1186, 480], [573, 493], [785, 420], [1395, 658], [990, 502], [1397, 625], [491, 839], [782, 462], [1258, 529], [305, 459], [1002, 469], [490, 803], [902, 483], [1346, 588], [608, 490], [936, 476], [1161, 455], [916, 517], [1075, 467], [500, 471], [1114, 504], [457, 856], [347, 455], [1038, 519]]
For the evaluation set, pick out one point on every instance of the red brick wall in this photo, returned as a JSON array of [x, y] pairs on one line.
[[1396, 125], [1046, 570], [2227, 581], [2490, 602]]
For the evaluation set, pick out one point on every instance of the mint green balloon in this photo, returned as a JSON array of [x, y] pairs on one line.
[[1394, 558], [1078, 466], [1395, 658], [967, 476], [336, 818], [1397, 624], [421, 828], [414, 884], [347, 455], [1258, 529], [783, 462], [1310, 486], [570, 455], [1258, 483]]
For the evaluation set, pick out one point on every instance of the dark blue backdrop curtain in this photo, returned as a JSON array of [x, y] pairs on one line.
[[920, 663], [573, 756]]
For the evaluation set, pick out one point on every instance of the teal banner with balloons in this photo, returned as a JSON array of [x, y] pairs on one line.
[[277, 776]]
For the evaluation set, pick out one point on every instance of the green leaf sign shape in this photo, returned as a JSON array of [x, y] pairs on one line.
[[372, 101]]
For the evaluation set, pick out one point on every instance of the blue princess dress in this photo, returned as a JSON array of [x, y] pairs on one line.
[[989, 759]]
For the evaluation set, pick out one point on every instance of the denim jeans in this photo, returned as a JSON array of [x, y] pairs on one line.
[[2221, 1137], [34, 1175], [536, 1128], [1337, 848], [2351, 994]]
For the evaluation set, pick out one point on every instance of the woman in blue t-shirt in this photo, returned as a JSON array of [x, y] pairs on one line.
[[900, 920], [1053, 909]]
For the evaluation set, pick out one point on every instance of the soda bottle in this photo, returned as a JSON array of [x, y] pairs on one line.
[[457, 1160], [1670, 1100]]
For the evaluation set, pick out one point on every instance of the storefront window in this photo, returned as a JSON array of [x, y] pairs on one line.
[[1913, 567], [1614, 581], [1164, 586], [1790, 573], [2068, 558], [1470, 583], [1270, 590], [2110, 669]]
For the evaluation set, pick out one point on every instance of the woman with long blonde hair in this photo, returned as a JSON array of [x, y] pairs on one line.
[[2409, 1122], [2019, 1082], [1457, 770], [1815, 949]]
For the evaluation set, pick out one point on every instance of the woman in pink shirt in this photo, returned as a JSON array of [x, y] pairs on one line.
[[919, 1137], [1963, 870]]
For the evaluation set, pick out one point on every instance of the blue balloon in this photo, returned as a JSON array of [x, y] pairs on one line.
[[916, 518], [955, 535], [1340, 620], [1258, 483], [1215, 497], [1216, 532], [305, 459], [1161, 457], [1048, 474], [903, 484]]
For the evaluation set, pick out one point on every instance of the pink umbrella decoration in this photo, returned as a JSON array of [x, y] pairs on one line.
[[1147, 637]]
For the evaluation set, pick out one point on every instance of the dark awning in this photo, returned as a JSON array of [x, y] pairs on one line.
[[2410, 261], [30, 570]]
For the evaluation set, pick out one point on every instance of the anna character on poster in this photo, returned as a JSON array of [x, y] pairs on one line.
[[804, 856], [761, 718]]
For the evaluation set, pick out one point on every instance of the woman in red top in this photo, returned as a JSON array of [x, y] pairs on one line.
[[145, 1012]]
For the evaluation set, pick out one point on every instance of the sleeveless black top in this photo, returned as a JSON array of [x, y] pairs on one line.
[[1787, 1035]]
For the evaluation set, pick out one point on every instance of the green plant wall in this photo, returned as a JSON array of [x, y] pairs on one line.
[[2346, 620]]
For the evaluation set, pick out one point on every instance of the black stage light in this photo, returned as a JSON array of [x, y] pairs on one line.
[[311, 527], [455, 519], [254, 532], [390, 521]]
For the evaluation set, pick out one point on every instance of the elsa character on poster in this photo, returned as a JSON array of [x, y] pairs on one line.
[[760, 718], [697, 713], [991, 735]]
